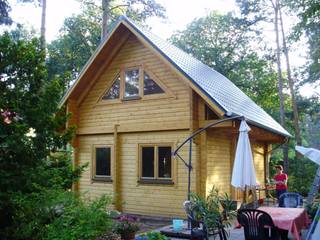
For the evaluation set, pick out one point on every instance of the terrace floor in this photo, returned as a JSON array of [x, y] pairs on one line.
[[158, 224], [238, 234]]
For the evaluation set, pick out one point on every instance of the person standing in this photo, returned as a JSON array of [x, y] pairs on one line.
[[280, 179]]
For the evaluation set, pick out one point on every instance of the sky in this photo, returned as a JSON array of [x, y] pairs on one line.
[[58, 10], [179, 13]]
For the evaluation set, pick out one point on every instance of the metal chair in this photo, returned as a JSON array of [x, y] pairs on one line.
[[257, 225], [199, 230], [290, 200]]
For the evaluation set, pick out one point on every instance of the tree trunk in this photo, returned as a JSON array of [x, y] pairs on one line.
[[43, 24], [280, 81], [291, 84], [105, 18]]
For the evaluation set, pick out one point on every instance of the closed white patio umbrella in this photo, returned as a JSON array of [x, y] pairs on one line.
[[243, 173], [311, 153]]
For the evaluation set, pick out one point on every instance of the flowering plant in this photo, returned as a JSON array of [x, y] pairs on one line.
[[127, 224], [7, 116]]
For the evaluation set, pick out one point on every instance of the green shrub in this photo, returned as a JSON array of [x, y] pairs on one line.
[[312, 209], [59, 214], [79, 220], [212, 210]]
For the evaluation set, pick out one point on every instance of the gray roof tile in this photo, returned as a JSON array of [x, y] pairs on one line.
[[217, 87]]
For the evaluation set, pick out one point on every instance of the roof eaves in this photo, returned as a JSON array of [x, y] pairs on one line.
[[285, 134]]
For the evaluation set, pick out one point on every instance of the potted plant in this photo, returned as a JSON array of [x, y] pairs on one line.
[[229, 206], [127, 226]]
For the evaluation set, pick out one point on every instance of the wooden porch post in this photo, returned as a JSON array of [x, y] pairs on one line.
[[116, 170]]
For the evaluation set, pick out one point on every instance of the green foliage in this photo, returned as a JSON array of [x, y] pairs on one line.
[[308, 12], [217, 40], [5, 8], [79, 38], [138, 10], [30, 143], [79, 220], [223, 43], [58, 214], [35, 210], [81, 34], [209, 211], [58, 172], [152, 236], [312, 209]]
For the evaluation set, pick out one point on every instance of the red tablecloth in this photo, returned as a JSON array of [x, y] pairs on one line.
[[291, 219]]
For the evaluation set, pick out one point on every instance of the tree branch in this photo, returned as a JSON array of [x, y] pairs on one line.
[[119, 6]]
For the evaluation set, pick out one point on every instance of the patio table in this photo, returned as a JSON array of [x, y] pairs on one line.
[[290, 219]]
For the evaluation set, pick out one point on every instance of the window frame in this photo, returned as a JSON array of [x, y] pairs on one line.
[[167, 93], [109, 88], [156, 179], [95, 177], [123, 80], [153, 78]]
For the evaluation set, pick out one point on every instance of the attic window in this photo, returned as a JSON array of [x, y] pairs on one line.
[[135, 83], [131, 88], [209, 114], [150, 86], [114, 91]]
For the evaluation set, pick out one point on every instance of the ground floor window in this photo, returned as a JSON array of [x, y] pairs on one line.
[[155, 162], [101, 163]]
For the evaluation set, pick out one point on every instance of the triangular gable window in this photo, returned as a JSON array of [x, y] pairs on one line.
[[114, 91], [150, 86], [209, 114]]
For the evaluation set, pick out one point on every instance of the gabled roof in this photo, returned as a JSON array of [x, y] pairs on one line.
[[220, 90]]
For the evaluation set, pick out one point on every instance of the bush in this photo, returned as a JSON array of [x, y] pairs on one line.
[[79, 220], [58, 214]]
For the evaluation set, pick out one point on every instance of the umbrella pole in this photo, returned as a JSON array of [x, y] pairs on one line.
[[245, 195], [189, 169], [189, 177]]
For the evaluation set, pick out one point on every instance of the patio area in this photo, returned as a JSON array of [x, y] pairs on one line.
[[237, 234], [164, 225], [157, 225]]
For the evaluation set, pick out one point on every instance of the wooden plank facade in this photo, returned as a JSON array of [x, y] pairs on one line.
[[167, 119]]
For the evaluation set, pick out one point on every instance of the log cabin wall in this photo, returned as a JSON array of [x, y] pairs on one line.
[[172, 112], [258, 156], [153, 121], [154, 199], [125, 124], [218, 162]]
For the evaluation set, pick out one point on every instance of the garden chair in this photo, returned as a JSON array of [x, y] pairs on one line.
[[290, 200], [257, 225], [199, 230]]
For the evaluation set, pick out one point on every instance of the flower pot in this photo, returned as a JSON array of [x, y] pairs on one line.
[[128, 236]]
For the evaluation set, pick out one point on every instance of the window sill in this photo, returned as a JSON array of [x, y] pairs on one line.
[[131, 98], [156, 181], [102, 179]]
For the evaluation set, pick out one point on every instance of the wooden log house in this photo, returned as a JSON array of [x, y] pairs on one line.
[[135, 100]]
